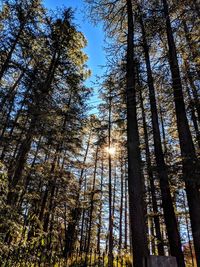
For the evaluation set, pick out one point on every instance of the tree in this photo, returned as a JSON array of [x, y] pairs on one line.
[[169, 214], [190, 161], [135, 179]]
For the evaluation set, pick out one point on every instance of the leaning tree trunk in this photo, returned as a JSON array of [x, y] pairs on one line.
[[10, 96], [6, 63], [25, 147]]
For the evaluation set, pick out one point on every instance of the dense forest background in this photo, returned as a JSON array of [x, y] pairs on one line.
[[108, 187]]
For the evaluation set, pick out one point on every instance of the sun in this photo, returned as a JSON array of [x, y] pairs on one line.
[[110, 150]]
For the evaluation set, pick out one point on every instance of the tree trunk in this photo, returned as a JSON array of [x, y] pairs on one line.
[[91, 206], [110, 251], [169, 214], [76, 215], [190, 163], [92, 199], [125, 214], [135, 177], [100, 210], [21, 160], [152, 185], [121, 205]]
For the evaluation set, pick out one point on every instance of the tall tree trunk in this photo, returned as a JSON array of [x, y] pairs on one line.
[[125, 213], [49, 188], [91, 206], [28, 177], [121, 204], [190, 164], [114, 196], [163, 130], [100, 210], [187, 227], [14, 125], [110, 251], [26, 145], [135, 177], [76, 211], [21, 160], [92, 198], [83, 220], [169, 214], [151, 180]]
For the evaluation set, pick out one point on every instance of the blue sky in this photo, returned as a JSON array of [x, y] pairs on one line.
[[93, 34]]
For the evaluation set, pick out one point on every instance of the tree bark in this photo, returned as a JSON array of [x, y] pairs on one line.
[[190, 163], [121, 204], [100, 209], [135, 177], [167, 203], [151, 180], [110, 250]]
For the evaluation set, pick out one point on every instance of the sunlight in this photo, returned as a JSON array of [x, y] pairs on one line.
[[110, 150]]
